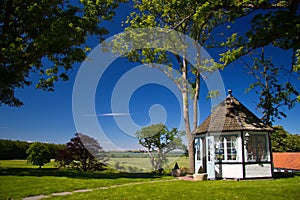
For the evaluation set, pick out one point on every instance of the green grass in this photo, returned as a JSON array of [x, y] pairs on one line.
[[144, 163], [260, 189], [22, 164], [18, 180]]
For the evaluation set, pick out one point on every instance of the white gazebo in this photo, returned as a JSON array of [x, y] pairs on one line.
[[233, 143]]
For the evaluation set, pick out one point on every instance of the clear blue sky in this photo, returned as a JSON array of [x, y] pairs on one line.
[[47, 117]]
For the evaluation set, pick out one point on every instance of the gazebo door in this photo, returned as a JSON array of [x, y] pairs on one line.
[[210, 150], [198, 154]]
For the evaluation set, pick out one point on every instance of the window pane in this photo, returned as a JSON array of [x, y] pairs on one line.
[[231, 147], [261, 148], [219, 148], [198, 150], [252, 148], [257, 148]]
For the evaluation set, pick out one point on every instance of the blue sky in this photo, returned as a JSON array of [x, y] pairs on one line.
[[48, 116]]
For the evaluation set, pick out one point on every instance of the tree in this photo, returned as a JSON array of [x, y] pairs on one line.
[[38, 154], [83, 153], [276, 24], [13, 149], [274, 93], [198, 19], [46, 37], [159, 141], [283, 141]]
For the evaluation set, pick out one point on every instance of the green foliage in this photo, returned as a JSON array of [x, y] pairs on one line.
[[39, 30], [283, 141], [38, 154], [82, 153], [159, 141], [274, 89], [17, 149], [13, 149], [277, 26]]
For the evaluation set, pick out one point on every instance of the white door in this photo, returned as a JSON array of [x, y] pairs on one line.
[[210, 158], [198, 154]]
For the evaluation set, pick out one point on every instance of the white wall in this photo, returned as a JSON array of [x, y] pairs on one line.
[[258, 170], [229, 170]]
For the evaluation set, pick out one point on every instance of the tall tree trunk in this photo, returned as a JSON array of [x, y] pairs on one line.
[[186, 114], [197, 83], [196, 98]]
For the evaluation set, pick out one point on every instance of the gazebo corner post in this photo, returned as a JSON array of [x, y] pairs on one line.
[[271, 153], [243, 154]]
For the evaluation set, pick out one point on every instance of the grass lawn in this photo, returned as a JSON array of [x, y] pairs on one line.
[[18, 180], [287, 188]]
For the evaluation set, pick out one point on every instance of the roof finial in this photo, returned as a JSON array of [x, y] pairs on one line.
[[229, 98]]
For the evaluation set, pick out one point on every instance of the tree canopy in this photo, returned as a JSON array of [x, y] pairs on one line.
[[46, 37], [15, 149], [159, 141], [38, 154], [82, 153], [283, 141]]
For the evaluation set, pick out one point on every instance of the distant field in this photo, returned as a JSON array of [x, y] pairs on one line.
[[22, 164], [138, 154], [135, 161], [138, 161], [145, 165]]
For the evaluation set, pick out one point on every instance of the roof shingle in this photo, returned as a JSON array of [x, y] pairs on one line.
[[231, 115]]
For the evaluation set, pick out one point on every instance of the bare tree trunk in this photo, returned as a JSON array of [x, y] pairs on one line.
[[186, 114], [196, 98], [151, 159]]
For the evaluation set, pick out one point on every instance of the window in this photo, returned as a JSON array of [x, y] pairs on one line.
[[226, 148], [231, 147], [257, 148], [198, 149]]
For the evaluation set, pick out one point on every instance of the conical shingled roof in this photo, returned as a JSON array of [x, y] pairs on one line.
[[231, 115]]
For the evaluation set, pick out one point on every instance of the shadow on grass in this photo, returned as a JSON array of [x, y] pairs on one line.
[[278, 175], [73, 173]]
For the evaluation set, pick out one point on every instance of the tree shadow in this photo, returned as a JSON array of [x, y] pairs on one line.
[[278, 175], [74, 174]]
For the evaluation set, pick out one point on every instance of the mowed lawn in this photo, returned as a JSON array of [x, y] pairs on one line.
[[288, 188], [18, 180]]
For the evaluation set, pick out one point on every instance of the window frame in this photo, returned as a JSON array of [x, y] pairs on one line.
[[224, 155], [261, 153]]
